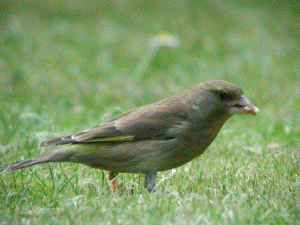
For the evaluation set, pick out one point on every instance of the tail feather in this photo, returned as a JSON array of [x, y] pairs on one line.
[[50, 157], [58, 141]]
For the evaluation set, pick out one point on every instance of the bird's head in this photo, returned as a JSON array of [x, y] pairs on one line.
[[221, 98]]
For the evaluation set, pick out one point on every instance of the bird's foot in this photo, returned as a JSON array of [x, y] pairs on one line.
[[150, 180], [112, 176]]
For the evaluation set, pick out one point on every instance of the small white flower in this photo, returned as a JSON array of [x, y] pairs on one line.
[[164, 39]]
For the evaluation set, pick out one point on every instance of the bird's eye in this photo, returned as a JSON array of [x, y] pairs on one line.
[[224, 95]]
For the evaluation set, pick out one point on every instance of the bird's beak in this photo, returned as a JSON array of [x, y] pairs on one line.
[[243, 106]]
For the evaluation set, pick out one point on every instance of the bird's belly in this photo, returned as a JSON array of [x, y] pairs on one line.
[[136, 157]]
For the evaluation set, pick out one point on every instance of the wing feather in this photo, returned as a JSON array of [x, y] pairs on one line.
[[144, 122]]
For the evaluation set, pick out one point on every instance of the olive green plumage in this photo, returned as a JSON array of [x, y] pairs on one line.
[[154, 137]]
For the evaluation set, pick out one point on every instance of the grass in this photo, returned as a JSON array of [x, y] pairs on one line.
[[67, 67]]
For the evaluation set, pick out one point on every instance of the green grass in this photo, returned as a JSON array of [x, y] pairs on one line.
[[68, 67]]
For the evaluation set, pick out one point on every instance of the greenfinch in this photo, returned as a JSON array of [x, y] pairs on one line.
[[154, 137]]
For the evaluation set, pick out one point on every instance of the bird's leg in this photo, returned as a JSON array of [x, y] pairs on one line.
[[150, 180], [112, 178]]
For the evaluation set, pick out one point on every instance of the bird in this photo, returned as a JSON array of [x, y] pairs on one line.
[[151, 138]]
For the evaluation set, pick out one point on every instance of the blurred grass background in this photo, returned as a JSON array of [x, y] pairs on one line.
[[68, 65]]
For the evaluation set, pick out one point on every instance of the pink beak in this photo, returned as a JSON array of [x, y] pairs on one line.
[[243, 106]]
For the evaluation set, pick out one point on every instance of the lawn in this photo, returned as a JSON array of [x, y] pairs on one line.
[[66, 66]]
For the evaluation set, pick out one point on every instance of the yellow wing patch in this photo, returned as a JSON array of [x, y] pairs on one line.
[[112, 139]]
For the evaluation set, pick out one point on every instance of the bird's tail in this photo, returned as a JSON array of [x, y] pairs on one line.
[[59, 156]]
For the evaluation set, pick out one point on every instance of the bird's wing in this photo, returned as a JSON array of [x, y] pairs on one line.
[[152, 121]]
